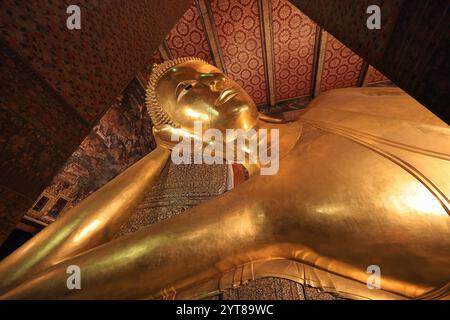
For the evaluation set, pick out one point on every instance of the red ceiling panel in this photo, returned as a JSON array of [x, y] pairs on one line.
[[341, 66], [375, 76], [187, 38], [238, 27], [238, 30], [293, 36]]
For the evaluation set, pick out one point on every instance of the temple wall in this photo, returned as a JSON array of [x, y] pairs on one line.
[[122, 137]]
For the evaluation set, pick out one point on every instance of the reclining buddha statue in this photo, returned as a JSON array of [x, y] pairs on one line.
[[361, 194]]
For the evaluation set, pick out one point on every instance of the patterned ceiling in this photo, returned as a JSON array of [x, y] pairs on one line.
[[238, 29], [270, 48], [341, 66], [294, 35], [187, 38]]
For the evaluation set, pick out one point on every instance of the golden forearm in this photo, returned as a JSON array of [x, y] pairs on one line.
[[93, 222], [178, 252]]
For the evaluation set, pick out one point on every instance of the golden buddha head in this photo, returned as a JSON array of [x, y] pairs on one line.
[[185, 90]]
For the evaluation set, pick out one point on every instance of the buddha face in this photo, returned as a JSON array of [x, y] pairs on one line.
[[196, 91]]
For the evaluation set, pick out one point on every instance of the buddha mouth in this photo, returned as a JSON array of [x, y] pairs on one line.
[[226, 95]]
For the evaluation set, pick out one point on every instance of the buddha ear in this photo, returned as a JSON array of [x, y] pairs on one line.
[[271, 119]]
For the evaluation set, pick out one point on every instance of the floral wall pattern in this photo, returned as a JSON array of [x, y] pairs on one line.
[[341, 67], [293, 35], [238, 30], [187, 37]]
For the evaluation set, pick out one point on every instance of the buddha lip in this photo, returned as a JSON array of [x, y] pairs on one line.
[[226, 95]]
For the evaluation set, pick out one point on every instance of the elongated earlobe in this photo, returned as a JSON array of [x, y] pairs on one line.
[[271, 119]]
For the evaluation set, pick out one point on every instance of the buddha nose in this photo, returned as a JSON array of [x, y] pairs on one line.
[[217, 82]]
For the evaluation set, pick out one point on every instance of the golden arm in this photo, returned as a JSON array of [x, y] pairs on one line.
[[91, 223], [143, 263]]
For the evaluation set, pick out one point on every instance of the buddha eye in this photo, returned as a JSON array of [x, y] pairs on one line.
[[183, 88]]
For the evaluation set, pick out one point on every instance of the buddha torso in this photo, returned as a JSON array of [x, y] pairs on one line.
[[355, 189]]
